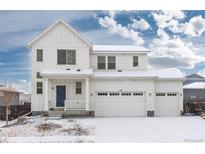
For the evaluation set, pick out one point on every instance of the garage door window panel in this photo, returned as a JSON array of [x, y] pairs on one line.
[[137, 94], [126, 94], [171, 94], [114, 94], [160, 94], [102, 94]]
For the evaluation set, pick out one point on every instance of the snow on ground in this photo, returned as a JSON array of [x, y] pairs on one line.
[[121, 129], [30, 133], [155, 129]]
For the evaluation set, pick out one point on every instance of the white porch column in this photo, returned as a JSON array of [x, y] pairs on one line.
[[87, 94], [45, 94]]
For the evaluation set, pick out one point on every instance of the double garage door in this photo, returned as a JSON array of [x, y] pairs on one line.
[[120, 104], [134, 104]]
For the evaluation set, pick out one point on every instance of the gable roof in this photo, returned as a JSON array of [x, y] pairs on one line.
[[195, 76], [52, 26]]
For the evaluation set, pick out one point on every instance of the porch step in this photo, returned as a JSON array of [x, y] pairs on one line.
[[55, 113], [77, 113]]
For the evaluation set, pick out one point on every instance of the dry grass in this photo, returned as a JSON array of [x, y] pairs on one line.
[[203, 115], [47, 127], [77, 129]]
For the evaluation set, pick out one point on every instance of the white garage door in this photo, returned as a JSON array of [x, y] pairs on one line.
[[120, 104], [167, 104]]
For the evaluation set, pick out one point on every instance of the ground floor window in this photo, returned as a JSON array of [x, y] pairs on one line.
[[39, 87], [78, 86]]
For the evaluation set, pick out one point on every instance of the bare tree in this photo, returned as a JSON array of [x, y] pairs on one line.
[[8, 95]]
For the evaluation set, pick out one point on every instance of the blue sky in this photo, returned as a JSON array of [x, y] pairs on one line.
[[176, 38]]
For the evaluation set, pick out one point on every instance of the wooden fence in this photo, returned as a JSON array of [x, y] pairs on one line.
[[15, 111]]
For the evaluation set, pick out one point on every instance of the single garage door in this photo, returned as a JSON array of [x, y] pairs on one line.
[[120, 104], [167, 104]]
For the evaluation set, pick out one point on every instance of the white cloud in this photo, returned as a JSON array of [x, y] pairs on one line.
[[111, 24], [22, 81], [195, 27], [140, 24], [166, 19], [171, 20], [173, 52]]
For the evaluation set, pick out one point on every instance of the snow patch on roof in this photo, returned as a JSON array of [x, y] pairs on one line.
[[164, 74], [23, 91], [118, 48], [58, 72], [195, 85]]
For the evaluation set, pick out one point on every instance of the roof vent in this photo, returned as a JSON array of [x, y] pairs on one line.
[[119, 70], [68, 69], [78, 70]]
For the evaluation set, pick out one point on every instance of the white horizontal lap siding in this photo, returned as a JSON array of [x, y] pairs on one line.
[[123, 61], [57, 38]]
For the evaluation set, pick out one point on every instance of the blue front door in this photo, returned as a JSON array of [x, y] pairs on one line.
[[60, 95]]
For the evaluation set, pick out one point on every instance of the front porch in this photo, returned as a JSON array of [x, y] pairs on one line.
[[66, 93]]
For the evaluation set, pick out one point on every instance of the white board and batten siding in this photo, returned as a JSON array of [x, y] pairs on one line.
[[59, 37], [123, 61]]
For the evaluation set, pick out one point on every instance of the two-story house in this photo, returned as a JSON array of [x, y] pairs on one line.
[[69, 73]]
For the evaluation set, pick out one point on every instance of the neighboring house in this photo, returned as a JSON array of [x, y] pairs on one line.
[[25, 97], [19, 97], [70, 73], [194, 92], [15, 100], [193, 78]]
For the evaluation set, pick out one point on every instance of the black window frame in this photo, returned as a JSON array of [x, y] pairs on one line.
[[38, 75], [100, 64], [39, 87], [135, 61], [71, 60], [66, 56], [39, 55], [111, 65], [61, 53], [78, 88]]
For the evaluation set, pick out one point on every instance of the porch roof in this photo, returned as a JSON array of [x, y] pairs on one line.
[[66, 72], [156, 74]]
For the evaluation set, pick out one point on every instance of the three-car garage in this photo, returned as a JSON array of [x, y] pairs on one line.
[[113, 103]]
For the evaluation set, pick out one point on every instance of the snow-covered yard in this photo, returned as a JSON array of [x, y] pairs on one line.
[[127, 129]]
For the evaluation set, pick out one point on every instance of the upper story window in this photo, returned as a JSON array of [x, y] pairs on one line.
[[135, 61], [111, 62], [39, 55], [78, 87], [66, 57], [101, 62]]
